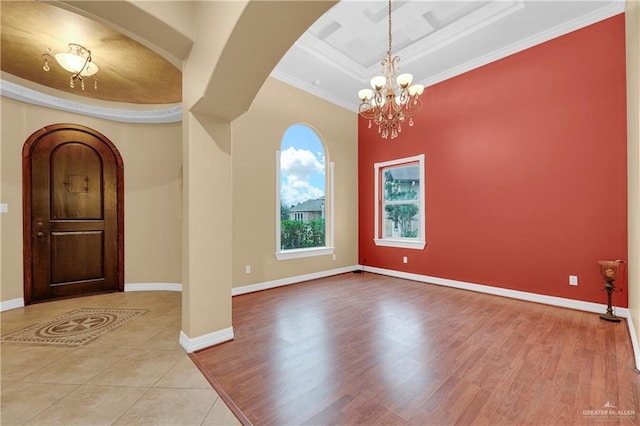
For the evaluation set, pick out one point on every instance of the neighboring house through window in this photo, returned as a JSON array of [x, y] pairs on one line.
[[303, 188], [308, 210], [399, 208]]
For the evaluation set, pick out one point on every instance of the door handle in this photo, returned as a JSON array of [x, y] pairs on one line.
[[40, 234]]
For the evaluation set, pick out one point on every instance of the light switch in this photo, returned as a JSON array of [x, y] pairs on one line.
[[4, 208], [573, 280]]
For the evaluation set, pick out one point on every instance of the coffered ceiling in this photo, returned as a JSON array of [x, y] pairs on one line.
[[335, 58]]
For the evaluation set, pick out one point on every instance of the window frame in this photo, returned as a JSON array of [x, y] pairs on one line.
[[328, 248], [417, 243]]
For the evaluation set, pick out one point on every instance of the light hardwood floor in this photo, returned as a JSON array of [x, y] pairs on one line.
[[374, 350], [134, 374]]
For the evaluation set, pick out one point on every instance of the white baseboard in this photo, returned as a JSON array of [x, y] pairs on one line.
[[194, 344], [236, 291], [634, 341], [11, 304], [521, 295], [505, 292], [153, 287]]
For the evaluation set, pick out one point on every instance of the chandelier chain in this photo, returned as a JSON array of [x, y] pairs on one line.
[[389, 51]]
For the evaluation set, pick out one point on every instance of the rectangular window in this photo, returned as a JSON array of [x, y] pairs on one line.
[[399, 208]]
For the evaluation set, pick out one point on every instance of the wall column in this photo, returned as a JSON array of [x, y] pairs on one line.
[[206, 264], [206, 180]]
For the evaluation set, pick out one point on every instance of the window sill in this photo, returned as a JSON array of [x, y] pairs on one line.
[[409, 244], [304, 252]]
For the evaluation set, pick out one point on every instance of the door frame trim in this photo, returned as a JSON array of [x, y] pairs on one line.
[[27, 200]]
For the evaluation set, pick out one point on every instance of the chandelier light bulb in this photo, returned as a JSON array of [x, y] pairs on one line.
[[76, 64], [365, 94], [416, 90], [404, 80], [378, 82], [70, 62]]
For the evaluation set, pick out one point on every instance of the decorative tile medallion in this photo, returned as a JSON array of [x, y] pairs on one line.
[[74, 328]]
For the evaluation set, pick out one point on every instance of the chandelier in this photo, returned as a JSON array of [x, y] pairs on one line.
[[77, 61], [393, 98]]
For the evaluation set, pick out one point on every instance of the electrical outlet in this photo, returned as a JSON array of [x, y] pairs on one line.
[[247, 269], [573, 280], [334, 257], [404, 259]]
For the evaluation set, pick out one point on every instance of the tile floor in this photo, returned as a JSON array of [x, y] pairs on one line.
[[135, 374]]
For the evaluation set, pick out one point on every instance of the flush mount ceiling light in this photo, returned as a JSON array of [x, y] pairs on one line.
[[393, 98], [77, 61]]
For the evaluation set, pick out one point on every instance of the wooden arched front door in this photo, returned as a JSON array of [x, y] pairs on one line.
[[73, 214]]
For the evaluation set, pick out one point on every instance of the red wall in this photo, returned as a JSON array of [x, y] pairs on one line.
[[525, 170]]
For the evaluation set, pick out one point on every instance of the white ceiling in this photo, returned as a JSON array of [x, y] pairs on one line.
[[435, 40]]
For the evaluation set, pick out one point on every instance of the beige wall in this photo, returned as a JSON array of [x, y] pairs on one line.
[[257, 135], [633, 159], [152, 168], [153, 164]]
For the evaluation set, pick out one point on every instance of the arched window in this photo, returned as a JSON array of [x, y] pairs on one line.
[[304, 208]]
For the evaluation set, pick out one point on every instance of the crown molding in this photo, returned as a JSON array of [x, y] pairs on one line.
[[170, 114]]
